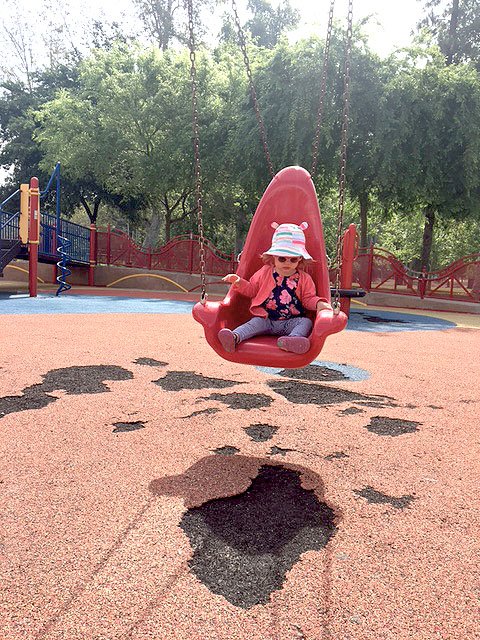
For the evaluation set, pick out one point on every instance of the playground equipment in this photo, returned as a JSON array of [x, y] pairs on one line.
[[63, 242], [30, 232], [290, 197]]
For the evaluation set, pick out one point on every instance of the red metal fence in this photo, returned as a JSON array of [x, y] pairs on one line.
[[181, 254], [374, 269]]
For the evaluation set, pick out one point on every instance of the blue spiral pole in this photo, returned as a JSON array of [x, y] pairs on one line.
[[63, 242]]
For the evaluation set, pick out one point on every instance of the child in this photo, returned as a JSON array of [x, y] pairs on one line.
[[281, 292]]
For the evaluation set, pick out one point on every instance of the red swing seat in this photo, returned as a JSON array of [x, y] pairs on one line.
[[290, 197]]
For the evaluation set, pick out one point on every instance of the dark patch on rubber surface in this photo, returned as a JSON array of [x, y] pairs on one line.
[[242, 400], [73, 380], [121, 427], [33, 398], [244, 545], [377, 319], [336, 455], [226, 451], [150, 362], [376, 497], [278, 451], [198, 413], [313, 373], [261, 432], [87, 379], [178, 380], [433, 406], [304, 393], [392, 426], [352, 410]]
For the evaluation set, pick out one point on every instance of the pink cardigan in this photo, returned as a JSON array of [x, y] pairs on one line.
[[261, 284]]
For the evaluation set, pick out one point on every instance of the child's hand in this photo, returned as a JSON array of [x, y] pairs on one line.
[[323, 305], [231, 278]]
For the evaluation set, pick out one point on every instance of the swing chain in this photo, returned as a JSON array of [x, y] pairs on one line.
[[341, 199], [322, 90], [196, 146], [253, 93]]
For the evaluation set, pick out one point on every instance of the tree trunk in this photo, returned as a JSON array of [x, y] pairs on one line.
[[240, 225], [92, 215], [153, 231], [363, 200], [427, 237], [452, 33], [168, 225]]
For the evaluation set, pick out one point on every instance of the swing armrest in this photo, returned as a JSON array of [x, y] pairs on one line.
[[327, 323]]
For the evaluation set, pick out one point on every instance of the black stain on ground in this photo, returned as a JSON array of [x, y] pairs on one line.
[[198, 413], [73, 380], [305, 393], [178, 380], [392, 426], [336, 455], [377, 319], [260, 432], [121, 427], [150, 362], [227, 450], [313, 373], [352, 411], [433, 406], [376, 497], [244, 545], [242, 400], [278, 451]]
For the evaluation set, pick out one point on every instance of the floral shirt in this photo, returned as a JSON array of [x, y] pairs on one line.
[[282, 302]]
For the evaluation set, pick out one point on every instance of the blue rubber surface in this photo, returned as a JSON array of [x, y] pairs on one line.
[[351, 373], [365, 320], [46, 303], [389, 321]]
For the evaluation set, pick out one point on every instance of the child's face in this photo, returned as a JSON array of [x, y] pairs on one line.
[[286, 266]]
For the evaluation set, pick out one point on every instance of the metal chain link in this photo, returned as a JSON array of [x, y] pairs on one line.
[[341, 198], [253, 93], [322, 90], [196, 148]]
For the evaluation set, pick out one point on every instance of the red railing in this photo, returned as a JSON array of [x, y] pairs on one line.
[[181, 254], [374, 269]]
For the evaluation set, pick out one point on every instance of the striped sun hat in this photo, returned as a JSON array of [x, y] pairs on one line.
[[289, 240]]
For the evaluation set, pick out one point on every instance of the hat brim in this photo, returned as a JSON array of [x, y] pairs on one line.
[[288, 253]]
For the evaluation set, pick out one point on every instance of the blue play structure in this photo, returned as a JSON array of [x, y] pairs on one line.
[[61, 241]]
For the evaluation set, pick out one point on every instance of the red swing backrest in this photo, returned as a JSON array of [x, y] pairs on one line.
[[290, 197]]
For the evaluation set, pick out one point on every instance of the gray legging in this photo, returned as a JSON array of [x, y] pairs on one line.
[[297, 326]]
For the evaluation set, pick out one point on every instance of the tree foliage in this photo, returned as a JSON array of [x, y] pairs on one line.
[[456, 29], [119, 120]]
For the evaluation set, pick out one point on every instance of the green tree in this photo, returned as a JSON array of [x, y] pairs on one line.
[[19, 152], [456, 29], [431, 143], [269, 23], [130, 119], [165, 20]]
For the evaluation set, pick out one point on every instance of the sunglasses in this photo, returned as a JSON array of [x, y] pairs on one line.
[[282, 259]]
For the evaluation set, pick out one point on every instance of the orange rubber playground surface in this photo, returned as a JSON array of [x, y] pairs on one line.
[[152, 490]]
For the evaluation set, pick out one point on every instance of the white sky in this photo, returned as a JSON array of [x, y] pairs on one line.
[[392, 25]]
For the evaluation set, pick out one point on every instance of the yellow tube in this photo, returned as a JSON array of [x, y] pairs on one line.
[[12, 266], [147, 275]]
